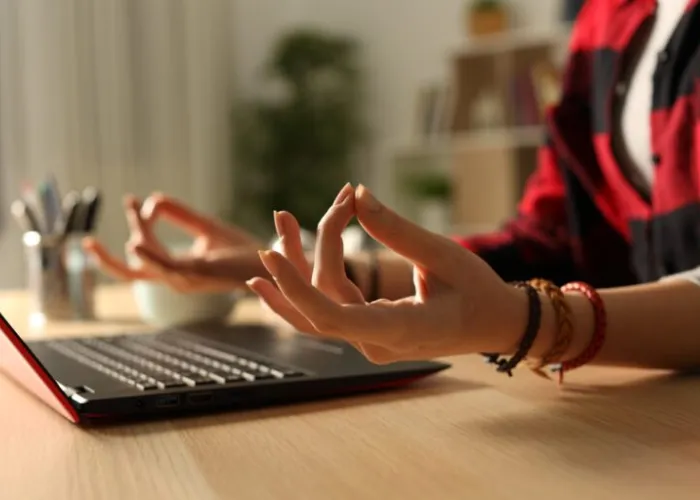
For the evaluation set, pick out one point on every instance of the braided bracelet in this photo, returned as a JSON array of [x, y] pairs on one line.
[[599, 331], [533, 326], [564, 331]]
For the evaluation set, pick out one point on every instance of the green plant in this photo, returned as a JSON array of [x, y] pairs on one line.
[[429, 186], [486, 5], [295, 150]]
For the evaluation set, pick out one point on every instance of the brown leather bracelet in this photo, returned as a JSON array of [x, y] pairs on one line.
[[528, 339], [564, 331]]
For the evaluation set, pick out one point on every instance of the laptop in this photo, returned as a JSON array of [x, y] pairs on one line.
[[192, 369]]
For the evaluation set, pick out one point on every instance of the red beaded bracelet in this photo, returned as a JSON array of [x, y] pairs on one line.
[[599, 330]]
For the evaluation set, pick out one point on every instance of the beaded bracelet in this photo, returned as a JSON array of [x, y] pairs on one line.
[[564, 331], [599, 330], [533, 327]]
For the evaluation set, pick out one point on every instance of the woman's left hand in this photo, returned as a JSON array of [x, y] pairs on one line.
[[460, 304]]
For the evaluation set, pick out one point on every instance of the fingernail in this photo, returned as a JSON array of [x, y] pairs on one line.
[[370, 202], [279, 224], [268, 260], [343, 194]]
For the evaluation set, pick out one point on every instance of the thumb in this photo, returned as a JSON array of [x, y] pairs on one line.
[[440, 255]]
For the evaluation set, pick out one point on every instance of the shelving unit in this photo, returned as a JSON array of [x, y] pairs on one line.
[[488, 163]]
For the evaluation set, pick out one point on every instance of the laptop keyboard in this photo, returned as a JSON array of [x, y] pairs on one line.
[[148, 363]]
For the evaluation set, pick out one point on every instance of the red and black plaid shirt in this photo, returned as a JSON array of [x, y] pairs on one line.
[[581, 217]]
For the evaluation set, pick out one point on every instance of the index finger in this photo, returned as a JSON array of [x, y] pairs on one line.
[[197, 224], [356, 323], [140, 229], [329, 265], [109, 264]]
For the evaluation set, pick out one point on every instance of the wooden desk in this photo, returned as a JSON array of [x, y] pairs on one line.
[[467, 434]]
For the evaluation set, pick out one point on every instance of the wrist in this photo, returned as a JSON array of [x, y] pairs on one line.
[[583, 321], [505, 340]]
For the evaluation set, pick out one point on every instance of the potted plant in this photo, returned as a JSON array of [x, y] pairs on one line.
[[432, 193], [295, 142], [486, 17]]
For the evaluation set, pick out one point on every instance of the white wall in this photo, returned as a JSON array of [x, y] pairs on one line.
[[406, 44], [128, 96]]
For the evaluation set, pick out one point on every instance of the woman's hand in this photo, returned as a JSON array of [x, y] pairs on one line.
[[460, 304], [221, 258]]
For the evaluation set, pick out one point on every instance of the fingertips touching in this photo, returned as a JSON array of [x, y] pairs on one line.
[[346, 191], [329, 266], [152, 204], [437, 253]]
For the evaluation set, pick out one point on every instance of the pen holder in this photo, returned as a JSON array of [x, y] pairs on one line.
[[61, 276]]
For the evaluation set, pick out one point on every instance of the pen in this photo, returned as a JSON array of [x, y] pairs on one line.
[[24, 216], [33, 206], [51, 207], [91, 205], [71, 212], [52, 203]]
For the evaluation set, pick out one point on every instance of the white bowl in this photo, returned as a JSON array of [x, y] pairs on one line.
[[162, 306]]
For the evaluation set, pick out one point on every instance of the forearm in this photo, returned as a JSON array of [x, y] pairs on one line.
[[655, 325]]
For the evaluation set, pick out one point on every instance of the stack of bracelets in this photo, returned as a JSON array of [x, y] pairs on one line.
[[564, 332]]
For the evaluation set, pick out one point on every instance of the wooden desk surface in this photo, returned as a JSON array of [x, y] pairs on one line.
[[467, 433]]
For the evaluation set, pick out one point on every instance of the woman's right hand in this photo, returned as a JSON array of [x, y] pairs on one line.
[[460, 305], [221, 258]]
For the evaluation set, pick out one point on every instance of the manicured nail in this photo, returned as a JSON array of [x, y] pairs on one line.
[[368, 199], [343, 194], [268, 260], [279, 226]]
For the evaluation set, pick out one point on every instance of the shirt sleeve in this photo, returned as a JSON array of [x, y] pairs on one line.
[[537, 241], [692, 275]]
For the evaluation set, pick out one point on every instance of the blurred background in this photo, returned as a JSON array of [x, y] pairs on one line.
[[240, 107]]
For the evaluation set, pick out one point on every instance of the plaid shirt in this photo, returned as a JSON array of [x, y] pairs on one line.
[[581, 217]]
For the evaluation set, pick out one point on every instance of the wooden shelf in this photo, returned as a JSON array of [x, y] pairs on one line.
[[514, 137], [499, 87], [515, 40]]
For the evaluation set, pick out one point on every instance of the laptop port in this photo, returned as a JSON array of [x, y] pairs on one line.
[[167, 401], [199, 399]]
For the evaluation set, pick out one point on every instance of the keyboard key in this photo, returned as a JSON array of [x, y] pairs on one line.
[[146, 386], [223, 377], [205, 381], [173, 384]]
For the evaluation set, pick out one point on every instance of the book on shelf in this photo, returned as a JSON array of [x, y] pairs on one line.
[[532, 92], [433, 111]]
